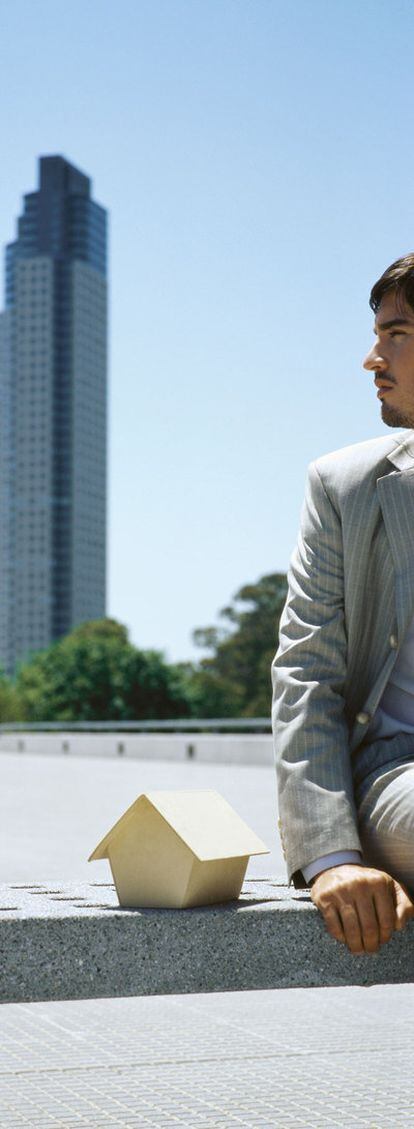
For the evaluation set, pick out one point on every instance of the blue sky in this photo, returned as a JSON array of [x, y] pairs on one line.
[[256, 158]]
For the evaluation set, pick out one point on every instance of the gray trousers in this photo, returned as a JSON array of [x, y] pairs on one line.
[[384, 795]]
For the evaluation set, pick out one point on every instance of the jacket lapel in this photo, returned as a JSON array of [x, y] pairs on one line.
[[396, 497]]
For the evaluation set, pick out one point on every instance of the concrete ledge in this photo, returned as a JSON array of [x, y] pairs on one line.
[[74, 942], [204, 748]]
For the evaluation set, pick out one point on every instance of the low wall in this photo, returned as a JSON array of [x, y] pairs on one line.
[[60, 942], [220, 748]]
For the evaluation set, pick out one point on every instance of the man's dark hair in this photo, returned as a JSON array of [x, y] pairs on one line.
[[399, 277]]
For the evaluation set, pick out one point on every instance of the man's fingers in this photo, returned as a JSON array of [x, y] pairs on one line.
[[404, 908], [352, 928], [384, 902], [369, 921], [333, 924], [358, 929]]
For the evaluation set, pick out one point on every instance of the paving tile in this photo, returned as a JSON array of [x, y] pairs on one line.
[[312, 1058]]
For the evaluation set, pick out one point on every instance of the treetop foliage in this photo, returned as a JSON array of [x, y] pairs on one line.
[[234, 680], [96, 674]]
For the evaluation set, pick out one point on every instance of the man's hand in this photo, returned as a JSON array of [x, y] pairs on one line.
[[361, 906]]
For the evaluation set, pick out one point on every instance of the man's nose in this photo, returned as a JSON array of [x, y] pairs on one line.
[[375, 361]]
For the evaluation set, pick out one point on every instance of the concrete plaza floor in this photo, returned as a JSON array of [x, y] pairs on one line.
[[55, 809], [332, 1057]]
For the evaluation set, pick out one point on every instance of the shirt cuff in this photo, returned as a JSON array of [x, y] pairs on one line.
[[335, 858]]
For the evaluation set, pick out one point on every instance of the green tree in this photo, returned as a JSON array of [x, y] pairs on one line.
[[11, 706], [234, 680], [96, 674]]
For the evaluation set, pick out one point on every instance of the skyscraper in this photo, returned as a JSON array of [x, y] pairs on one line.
[[53, 416]]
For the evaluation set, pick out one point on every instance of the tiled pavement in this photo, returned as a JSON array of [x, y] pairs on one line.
[[332, 1057]]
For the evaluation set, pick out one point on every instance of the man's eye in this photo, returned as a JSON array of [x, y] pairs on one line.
[[396, 333]]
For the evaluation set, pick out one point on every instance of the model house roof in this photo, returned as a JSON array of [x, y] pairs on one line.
[[203, 820]]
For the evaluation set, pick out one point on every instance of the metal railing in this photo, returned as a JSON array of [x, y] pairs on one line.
[[174, 725]]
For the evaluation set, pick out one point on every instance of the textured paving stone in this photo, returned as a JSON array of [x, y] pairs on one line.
[[337, 1058], [76, 942]]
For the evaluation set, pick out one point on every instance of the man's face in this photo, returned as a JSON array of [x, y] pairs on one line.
[[392, 360]]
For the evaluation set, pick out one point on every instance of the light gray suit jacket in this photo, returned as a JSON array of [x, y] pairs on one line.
[[350, 601]]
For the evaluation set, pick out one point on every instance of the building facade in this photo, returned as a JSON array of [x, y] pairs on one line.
[[53, 416]]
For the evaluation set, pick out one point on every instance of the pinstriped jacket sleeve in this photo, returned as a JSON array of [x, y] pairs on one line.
[[311, 739]]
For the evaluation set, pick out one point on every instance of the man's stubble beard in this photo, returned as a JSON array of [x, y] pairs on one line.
[[393, 418]]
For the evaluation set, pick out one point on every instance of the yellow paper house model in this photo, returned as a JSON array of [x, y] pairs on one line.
[[178, 849]]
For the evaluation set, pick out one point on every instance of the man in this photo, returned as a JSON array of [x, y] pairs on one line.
[[343, 704]]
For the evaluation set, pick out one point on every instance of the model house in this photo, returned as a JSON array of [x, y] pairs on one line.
[[178, 849]]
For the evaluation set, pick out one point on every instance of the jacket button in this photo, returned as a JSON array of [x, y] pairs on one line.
[[363, 718], [393, 642]]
